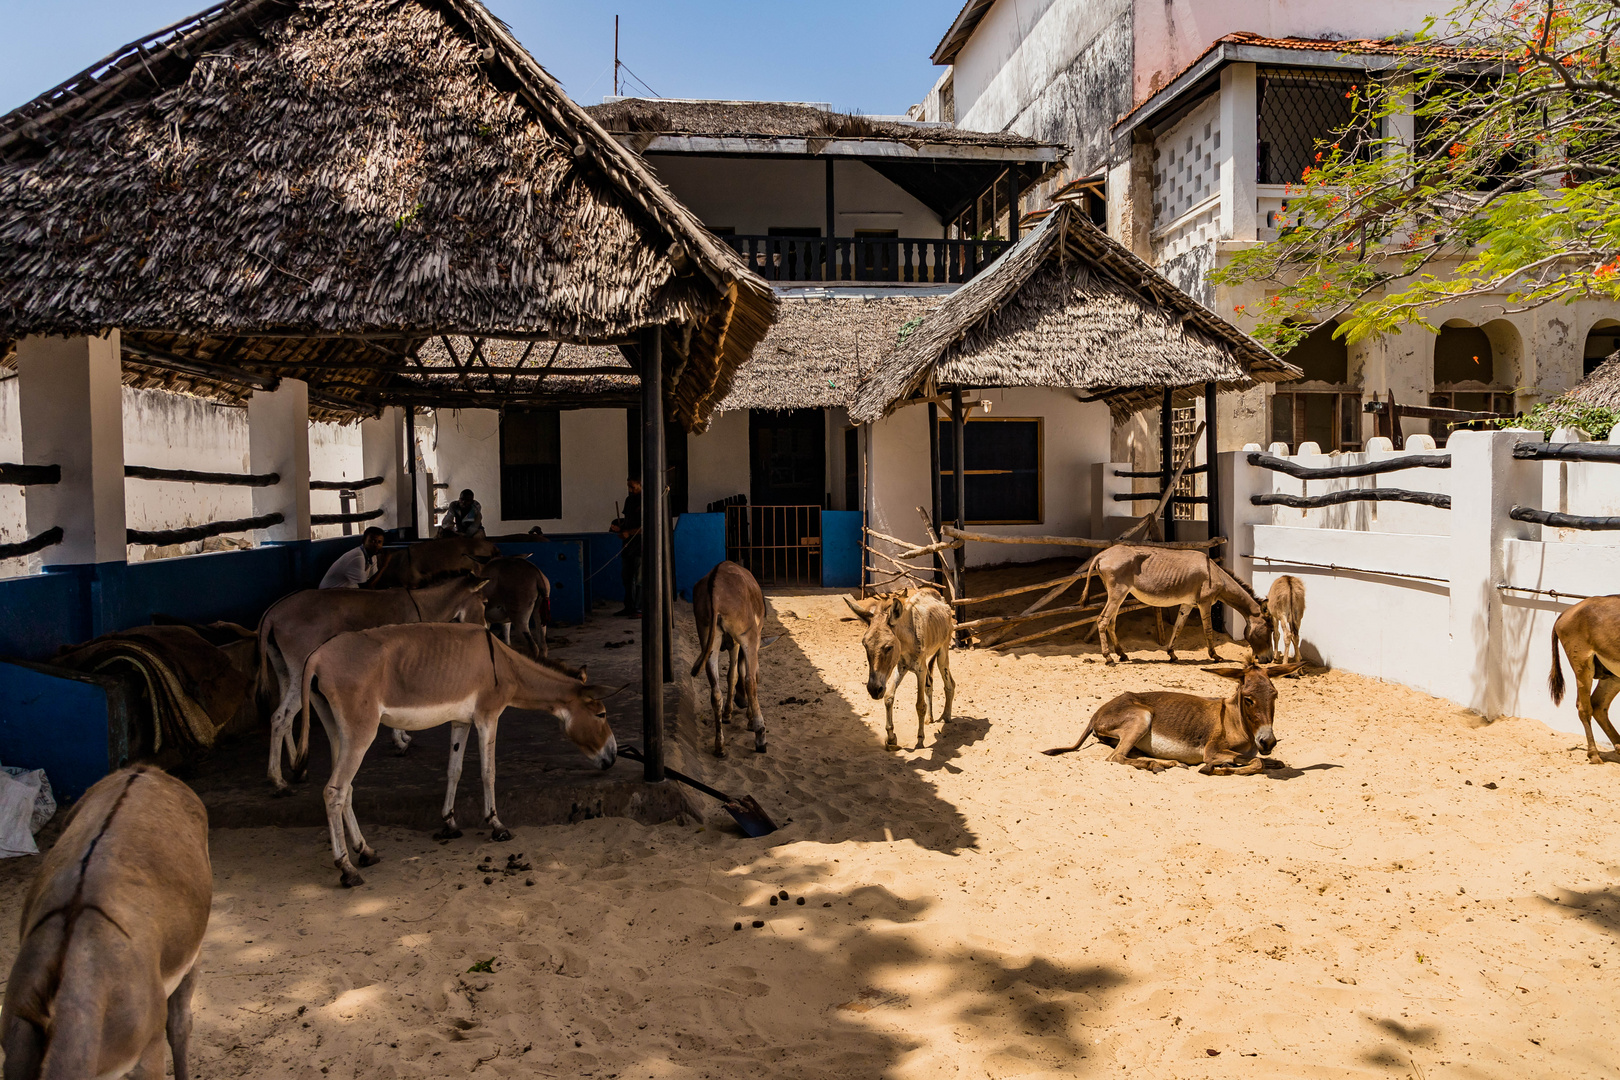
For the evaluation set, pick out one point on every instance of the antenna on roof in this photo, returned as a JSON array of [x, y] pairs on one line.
[[615, 56]]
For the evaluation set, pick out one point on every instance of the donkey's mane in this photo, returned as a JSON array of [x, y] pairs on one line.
[[1234, 579]]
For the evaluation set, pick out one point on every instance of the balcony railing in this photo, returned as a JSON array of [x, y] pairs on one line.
[[885, 258]]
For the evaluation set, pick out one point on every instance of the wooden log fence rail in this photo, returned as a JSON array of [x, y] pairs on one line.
[[24, 475], [1601, 452], [200, 532], [50, 536], [1158, 474], [1564, 521], [345, 485], [1334, 498], [345, 519], [188, 476], [1365, 468]]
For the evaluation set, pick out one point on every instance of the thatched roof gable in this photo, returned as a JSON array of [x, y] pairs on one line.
[[1601, 388], [785, 119], [263, 185], [1068, 307]]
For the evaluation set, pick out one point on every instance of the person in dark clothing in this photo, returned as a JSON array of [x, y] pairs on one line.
[[628, 526]]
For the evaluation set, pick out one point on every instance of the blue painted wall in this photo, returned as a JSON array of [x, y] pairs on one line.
[[40, 612], [603, 582], [700, 546], [563, 563], [840, 549], [66, 723]]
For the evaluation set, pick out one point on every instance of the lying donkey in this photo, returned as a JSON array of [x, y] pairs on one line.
[[1170, 729], [907, 633], [420, 675], [729, 610], [111, 931]]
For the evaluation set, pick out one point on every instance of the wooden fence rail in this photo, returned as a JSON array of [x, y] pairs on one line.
[[1340, 472], [188, 476], [1334, 498], [24, 475], [1564, 521], [342, 485], [200, 532], [50, 536]]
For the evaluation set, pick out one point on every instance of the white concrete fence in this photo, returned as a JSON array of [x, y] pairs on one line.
[[1457, 602]]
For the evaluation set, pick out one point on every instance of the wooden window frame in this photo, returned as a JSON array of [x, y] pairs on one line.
[[948, 469], [500, 436], [1307, 389]]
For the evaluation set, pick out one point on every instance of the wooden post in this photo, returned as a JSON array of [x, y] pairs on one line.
[[654, 523], [1166, 411], [1014, 179], [934, 483], [831, 271], [410, 459], [959, 469], [1212, 487]]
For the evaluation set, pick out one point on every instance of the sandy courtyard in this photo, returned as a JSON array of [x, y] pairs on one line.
[[1419, 895]]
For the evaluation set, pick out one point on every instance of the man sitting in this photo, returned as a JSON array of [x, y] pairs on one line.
[[358, 565], [464, 517]]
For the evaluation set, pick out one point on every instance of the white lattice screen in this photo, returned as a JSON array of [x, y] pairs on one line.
[[1186, 163]]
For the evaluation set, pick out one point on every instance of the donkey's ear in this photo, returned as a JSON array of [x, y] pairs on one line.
[[480, 586], [1274, 671], [582, 675], [602, 693], [863, 608], [897, 609], [1226, 672]]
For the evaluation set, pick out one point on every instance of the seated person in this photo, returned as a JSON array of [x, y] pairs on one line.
[[464, 517], [358, 565]]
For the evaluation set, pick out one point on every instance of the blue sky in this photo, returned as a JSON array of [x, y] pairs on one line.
[[867, 55]]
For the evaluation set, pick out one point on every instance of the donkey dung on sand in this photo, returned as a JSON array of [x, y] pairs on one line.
[[111, 930], [419, 676]]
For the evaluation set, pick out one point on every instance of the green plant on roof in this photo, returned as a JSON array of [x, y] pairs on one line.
[[907, 327]]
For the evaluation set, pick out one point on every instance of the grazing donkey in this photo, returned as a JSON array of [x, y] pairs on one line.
[[729, 610], [418, 676], [1169, 729], [297, 624], [907, 633], [1172, 577], [519, 595], [1590, 634], [1286, 603], [111, 930]]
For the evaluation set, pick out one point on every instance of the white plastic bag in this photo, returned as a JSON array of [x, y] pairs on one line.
[[26, 804]]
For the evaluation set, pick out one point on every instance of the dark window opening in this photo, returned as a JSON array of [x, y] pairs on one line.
[[1330, 419], [1323, 357], [852, 469], [531, 464], [1002, 470], [1601, 343], [1462, 354], [787, 457]]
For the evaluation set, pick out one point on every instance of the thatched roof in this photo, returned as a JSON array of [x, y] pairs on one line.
[[1068, 307], [1601, 388], [312, 188], [784, 119]]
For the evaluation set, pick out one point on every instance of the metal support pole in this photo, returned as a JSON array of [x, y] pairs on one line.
[[654, 523], [1212, 486], [934, 484], [410, 465], [959, 469], [1166, 463]]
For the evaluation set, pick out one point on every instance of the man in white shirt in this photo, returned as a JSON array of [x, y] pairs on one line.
[[356, 566]]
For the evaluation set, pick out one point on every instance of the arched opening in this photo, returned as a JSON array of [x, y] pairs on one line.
[[1602, 342], [1323, 407], [1473, 371]]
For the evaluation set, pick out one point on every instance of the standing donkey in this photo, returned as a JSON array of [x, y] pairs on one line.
[[729, 610], [907, 633], [1590, 634], [1286, 603], [1172, 577]]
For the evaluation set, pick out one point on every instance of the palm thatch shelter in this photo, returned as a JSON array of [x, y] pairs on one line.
[[315, 189], [1600, 388]]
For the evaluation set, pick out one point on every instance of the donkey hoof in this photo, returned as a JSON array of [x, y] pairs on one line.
[[892, 744], [281, 791], [349, 876], [719, 751], [300, 775], [759, 746], [500, 835], [449, 832], [368, 858]]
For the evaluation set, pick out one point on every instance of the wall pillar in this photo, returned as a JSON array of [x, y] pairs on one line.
[[278, 442], [1485, 483], [1237, 518], [382, 453], [1240, 134], [70, 395]]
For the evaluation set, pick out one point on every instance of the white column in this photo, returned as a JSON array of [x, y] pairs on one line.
[[1238, 481], [382, 453], [278, 442], [70, 393], [1240, 211], [1485, 483]]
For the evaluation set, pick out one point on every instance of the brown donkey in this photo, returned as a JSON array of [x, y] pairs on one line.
[[1590, 634], [1285, 602], [1172, 577], [111, 930], [421, 675], [729, 610], [1168, 729], [910, 632], [518, 599]]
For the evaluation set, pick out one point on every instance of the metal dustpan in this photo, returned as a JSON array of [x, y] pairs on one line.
[[748, 814]]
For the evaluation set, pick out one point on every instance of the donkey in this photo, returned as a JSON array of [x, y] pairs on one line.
[[299, 623], [907, 633], [1286, 603], [419, 676], [111, 930], [1590, 634], [428, 560], [729, 610], [519, 595], [1172, 577], [1170, 729]]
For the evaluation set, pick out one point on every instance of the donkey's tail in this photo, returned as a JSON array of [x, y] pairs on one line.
[[1555, 678], [303, 717], [1084, 735], [711, 639], [264, 685]]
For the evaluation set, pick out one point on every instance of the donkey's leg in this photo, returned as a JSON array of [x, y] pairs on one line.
[[1582, 667], [1130, 726], [402, 742], [458, 747], [1602, 695], [734, 653], [179, 1024], [922, 700], [348, 749], [943, 658], [891, 743], [1181, 620], [756, 717], [1107, 633], [486, 767], [711, 668], [522, 619], [149, 1066], [1205, 613], [281, 724]]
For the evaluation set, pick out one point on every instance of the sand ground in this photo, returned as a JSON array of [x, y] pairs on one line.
[[971, 909]]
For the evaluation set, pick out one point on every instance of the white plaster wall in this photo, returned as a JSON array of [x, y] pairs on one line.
[[752, 196], [717, 461], [1016, 51], [466, 453], [174, 431], [13, 508], [334, 454], [1076, 435]]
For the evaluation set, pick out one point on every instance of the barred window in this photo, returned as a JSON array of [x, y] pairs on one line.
[[1299, 108], [531, 464], [1002, 465]]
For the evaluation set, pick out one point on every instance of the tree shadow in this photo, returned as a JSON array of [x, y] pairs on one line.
[[1597, 907]]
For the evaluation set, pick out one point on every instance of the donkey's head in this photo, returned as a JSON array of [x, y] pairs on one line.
[[1256, 701], [585, 723], [883, 648], [1257, 633]]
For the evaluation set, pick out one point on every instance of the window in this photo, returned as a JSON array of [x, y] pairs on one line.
[[852, 469], [1002, 464], [531, 464], [1321, 407], [1464, 378], [1602, 342], [1297, 109]]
